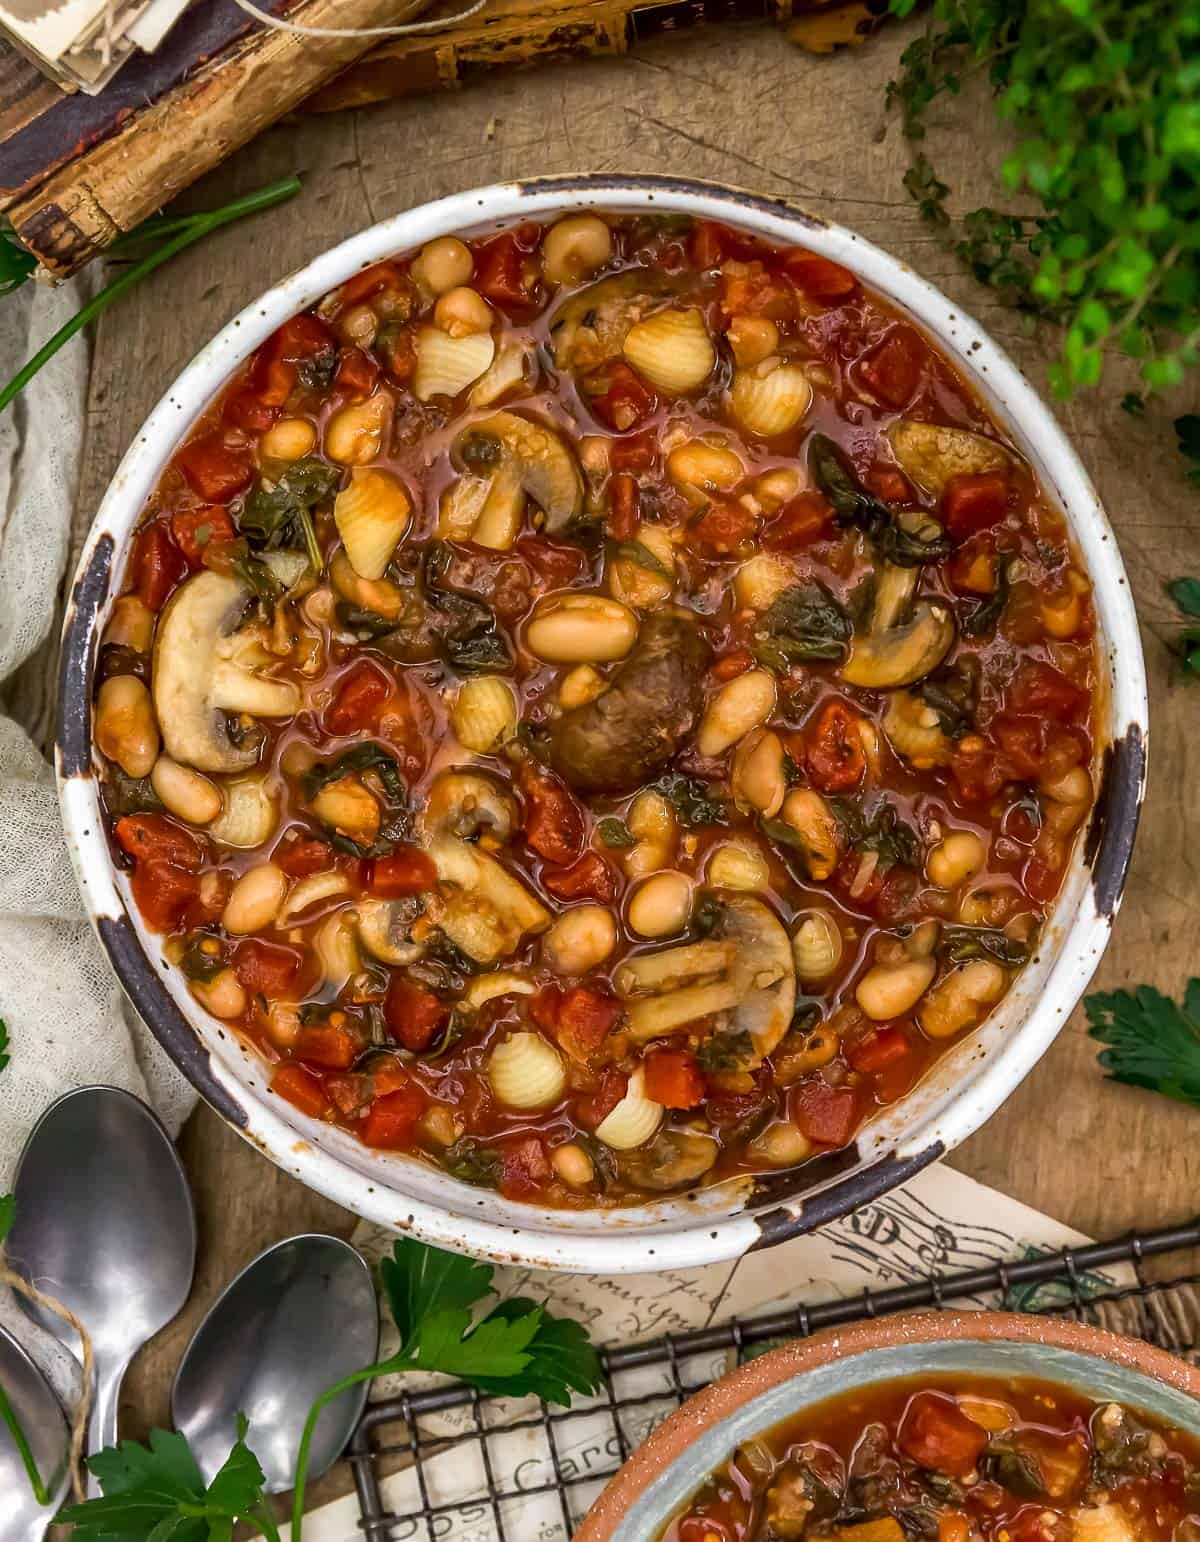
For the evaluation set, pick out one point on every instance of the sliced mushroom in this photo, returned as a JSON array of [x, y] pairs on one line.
[[653, 701], [901, 642], [673, 1160], [383, 929], [591, 326], [203, 668], [467, 804], [481, 907], [517, 457], [746, 968], [930, 454]]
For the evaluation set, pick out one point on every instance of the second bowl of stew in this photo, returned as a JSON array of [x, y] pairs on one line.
[[968, 1427], [612, 712]]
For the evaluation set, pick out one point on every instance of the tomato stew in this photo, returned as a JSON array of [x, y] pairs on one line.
[[601, 708], [954, 1459]]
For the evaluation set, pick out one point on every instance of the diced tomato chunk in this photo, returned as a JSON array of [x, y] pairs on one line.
[[833, 748], [588, 878], [584, 1018], [624, 502], [301, 337], [195, 530], [349, 1093], [414, 1015], [1022, 740], [826, 1115], [163, 894], [336, 1049], [733, 664], [818, 277], [392, 1119], [673, 1078], [892, 370], [747, 289], [889, 484], [971, 568], [543, 1007], [361, 694], [879, 1048], [504, 273], [636, 452], [724, 527], [974, 501], [554, 561], [299, 854], [407, 870], [158, 564], [806, 518], [245, 409], [301, 1089], [1041, 880], [269, 969], [593, 1108], [214, 471], [524, 1168], [379, 276], [1045, 691], [554, 824], [937, 1435], [356, 372], [708, 244], [621, 400], [155, 838], [979, 773]]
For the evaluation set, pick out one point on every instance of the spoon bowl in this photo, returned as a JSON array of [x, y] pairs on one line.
[[38, 1412], [105, 1223], [296, 1320]]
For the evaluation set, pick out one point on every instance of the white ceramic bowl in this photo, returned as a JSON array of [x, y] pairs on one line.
[[722, 1222]]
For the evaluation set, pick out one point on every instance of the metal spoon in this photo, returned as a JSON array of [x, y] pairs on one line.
[[104, 1222], [39, 1415], [296, 1320]]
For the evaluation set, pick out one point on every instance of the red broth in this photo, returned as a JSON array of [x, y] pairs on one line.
[[601, 708], [959, 1459]]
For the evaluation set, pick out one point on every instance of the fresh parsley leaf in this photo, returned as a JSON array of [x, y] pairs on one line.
[[418, 1280], [1153, 1042], [560, 1358]]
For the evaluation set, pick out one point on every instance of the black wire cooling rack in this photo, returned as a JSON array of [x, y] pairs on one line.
[[485, 1470]]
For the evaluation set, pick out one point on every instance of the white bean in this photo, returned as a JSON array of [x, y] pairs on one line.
[[890, 990], [660, 907], [256, 899], [581, 938], [126, 730], [739, 706], [223, 995], [956, 858], [581, 629], [185, 792], [573, 1165]]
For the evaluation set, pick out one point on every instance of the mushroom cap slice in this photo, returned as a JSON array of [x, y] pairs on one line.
[[764, 970], [201, 672], [930, 454], [383, 929], [470, 803], [590, 327], [535, 461], [674, 1159], [903, 654], [482, 908]]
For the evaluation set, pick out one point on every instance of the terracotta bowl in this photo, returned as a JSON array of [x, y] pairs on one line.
[[662, 1475], [726, 1220]]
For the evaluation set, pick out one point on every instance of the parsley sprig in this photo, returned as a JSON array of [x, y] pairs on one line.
[[1104, 97], [1186, 646], [514, 1349], [1152, 1041]]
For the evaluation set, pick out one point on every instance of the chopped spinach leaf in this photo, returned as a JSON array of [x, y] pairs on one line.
[[883, 832], [317, 371], [985, 617], [198, 963], [707, 913], [691, 799], [725, 1051], [480, 451], [954, 718], [803, 624], [127, 794], [854, 505], [363, 757], [960, 943], [615, 832], [472, 1163], [282, 515]]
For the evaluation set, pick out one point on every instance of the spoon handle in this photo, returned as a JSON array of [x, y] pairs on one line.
[[102, 1424]]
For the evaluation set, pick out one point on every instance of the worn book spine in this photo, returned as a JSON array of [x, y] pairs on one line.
[[87, 203], [518, 34]]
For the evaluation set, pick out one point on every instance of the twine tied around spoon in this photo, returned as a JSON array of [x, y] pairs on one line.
[[79, 1417]]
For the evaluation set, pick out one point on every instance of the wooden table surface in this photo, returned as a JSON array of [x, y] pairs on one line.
[[736, 105]]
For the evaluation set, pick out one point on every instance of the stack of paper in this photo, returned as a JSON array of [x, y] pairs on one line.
[[82, 43]]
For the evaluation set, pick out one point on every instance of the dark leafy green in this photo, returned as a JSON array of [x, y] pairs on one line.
[[954, 710], [960, 943], [128, 794], [882, 831], [615, 832], [281, 515], [362, 757], [1152, 1041], [725, 1051], [982, 619], [692, 800], [636, 552], [1186, 646], [854, 505], [472, 1163], [802, 625]]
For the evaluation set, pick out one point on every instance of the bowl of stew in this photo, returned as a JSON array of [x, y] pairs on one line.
[[602, 722], [967, 1427]]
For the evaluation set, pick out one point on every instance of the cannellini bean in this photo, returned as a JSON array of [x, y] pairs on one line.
[[131, 625], [185, 792], [761, 579], [354, 436], [579, 686], [651, 820], [581, 938], [752, 339], [572, 1164], [709, 467], [782, 1145], [776, 487], [283, 1023], [757, 777], [462, 312], [223, 995], [808, 814], [1071, 787], [744, 703], [581, 629], [960, 1000], [575, 247], [891, 990], [955, 859], [126, 729], [738, 865], [287, 440], [661, 905], [442, 265], [256, 899]]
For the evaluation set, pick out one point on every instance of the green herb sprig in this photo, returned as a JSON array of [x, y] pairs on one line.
[[174, 235], [1152, 1041], [1104, 96], [1186, 646]]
